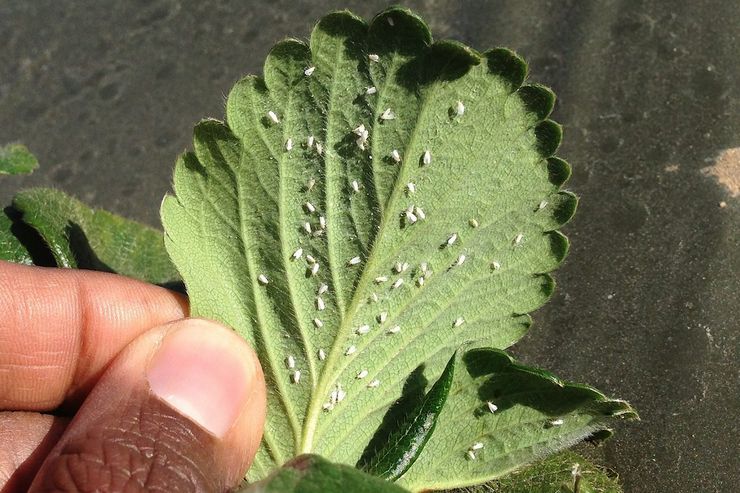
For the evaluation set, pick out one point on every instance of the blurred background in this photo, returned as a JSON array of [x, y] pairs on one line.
[[105, 93]]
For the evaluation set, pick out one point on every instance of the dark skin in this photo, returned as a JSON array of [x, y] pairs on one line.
[[105, 385]]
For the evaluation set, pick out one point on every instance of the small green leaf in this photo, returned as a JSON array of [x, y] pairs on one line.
[[85, 238], [11, 248], [401, 447], [20, 243], [16, 159], [564, 472], [312, 474], [500, 416]]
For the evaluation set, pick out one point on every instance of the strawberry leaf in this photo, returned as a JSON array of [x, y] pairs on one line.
[[374, 203], [81, 237]]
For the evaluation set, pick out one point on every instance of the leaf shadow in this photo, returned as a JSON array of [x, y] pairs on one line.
[[442, 62], [507, 384], [86, 258], [30, 239]]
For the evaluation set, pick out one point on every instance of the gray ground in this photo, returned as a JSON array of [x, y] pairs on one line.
[[106, 94]]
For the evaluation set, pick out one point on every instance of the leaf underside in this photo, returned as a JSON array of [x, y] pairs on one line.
[[81, 237], [419, 257]]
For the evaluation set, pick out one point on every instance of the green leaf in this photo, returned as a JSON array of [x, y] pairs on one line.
[[564, 472], [399, 449], [312, 474], [501, 415], [11, 248], [20, 243], [85, 238], [457, 258], [16, 159]]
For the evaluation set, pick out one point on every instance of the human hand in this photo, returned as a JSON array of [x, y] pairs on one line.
[[158, 402]]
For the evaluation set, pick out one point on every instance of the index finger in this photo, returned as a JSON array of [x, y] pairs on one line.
[[60, 328]]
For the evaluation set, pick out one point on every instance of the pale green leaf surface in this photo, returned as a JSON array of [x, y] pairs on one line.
[[16, 159], [240, 207], [81, 237], [535, 415]]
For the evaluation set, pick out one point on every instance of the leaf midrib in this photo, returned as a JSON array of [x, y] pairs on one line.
[[311, 422]]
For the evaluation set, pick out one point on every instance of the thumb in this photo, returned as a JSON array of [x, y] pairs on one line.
[[180, 409]]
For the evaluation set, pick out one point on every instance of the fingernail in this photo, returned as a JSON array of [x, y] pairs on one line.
[[202, 374]]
